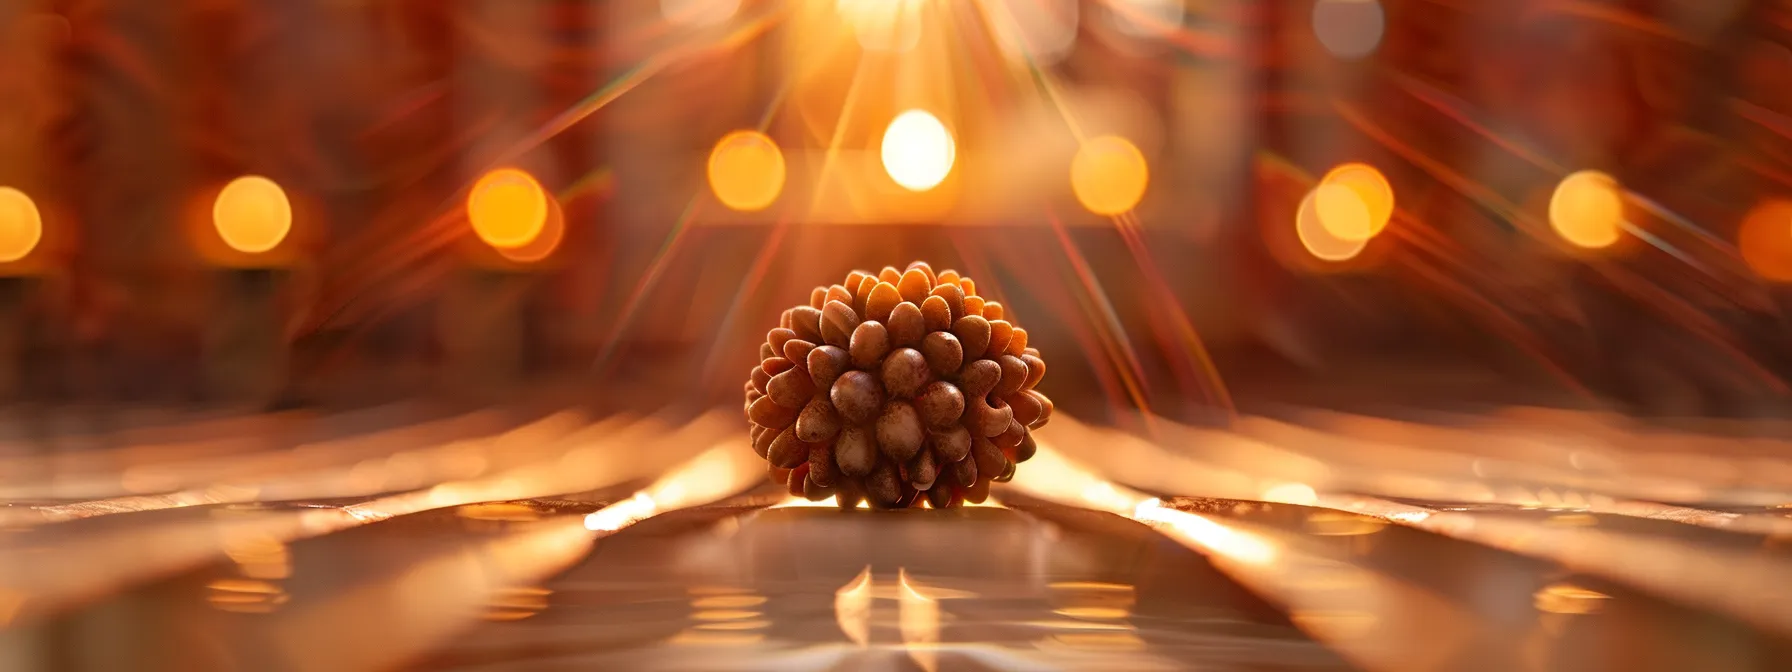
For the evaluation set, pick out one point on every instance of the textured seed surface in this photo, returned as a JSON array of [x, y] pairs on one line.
[[999, 334], [1010, 437], [787, 451], [952, 443], [777, 337], [762, 443], [822, 469], [768, 413], [989, 458], [954, 298], [775, 365], [826, 363], [870, 343], [906, 325], [964, 470], [791, 389], [837, 323], [884, 486], [1017, 343], [1035, 370], [1014, 375], [941, 404], [899, 432], [979, 378], [921, 471], [985, 419], [855, 452], [883, 299], [935, 314], [973, 333], [806, 322], [818, 422], [914, 286], [1026, 408], [901, 388], [857, 396], [943, 352], [904, 373], [797, 352]]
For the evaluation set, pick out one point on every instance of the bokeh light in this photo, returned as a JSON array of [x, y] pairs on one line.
[[1109, 175], [21, 225], [746, 171], [1587, 209], [1349, 28], [1316, 239], [1765, 240], [918, 151], [1342, 212], [252, 214], [542, 246], [1370, 187], [507, 208]]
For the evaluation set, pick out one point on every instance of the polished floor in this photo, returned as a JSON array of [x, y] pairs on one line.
[[540, 536]]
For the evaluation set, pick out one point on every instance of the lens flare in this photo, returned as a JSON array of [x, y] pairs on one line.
[[918, 150], [1109, 175], [507, 208], [1371, 188], [746, 171], [21, 225], [252, 214], [1587, 209]]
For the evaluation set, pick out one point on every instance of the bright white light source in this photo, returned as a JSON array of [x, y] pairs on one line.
[[918, 151], [1349, 28]]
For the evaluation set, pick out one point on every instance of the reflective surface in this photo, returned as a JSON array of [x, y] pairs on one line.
[[522, 538]]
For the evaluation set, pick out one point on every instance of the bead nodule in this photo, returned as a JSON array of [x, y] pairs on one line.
[[896, 388]]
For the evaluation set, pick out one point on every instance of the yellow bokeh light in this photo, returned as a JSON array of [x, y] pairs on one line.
[[1318, 241], [21, 225], [252, 214], [1587, 209], [507, 208], [1109, 175], [544, 245], [1371, 188], [1342, 212], [746, 171], [918, 151]]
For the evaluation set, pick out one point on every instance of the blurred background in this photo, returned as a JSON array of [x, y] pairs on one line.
[[1573, 203], [356, 290]]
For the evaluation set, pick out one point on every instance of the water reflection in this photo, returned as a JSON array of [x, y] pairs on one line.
[[515, 604]]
